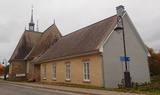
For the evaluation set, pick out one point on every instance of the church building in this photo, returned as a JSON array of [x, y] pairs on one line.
[[106, 54]]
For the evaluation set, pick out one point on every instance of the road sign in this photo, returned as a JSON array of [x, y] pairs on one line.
[[123, 58]]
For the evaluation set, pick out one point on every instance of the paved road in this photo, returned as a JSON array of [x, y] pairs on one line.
[[11, 89]]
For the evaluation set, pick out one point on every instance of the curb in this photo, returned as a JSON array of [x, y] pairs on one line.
[[44, 87], [72, 89]]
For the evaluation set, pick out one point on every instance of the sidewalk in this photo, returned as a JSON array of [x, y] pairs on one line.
[[72, 89]]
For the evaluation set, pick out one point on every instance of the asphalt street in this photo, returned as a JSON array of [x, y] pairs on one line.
[[12, 89]]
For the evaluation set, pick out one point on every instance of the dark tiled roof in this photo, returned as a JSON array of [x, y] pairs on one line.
[[48, 38], [81, 41], [25, 44]]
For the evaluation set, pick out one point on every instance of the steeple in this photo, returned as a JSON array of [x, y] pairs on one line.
[[31, 24]]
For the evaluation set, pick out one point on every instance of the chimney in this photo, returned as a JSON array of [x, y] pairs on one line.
[[120, 10]]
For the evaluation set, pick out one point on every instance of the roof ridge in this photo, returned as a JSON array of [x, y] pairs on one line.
[[49, 28], [88, 25]]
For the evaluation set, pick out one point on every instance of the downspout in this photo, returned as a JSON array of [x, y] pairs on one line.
[[102, 65]]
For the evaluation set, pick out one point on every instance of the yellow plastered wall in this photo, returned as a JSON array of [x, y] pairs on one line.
[[76, 67]]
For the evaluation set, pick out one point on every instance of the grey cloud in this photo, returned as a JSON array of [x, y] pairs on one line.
[[71, 15]]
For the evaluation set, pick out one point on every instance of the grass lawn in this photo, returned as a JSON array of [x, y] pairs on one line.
[[149, 89]]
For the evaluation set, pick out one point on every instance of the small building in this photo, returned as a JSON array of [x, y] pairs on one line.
[[93, 55]]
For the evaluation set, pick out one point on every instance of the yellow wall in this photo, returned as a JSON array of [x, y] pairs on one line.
[[76, 65]]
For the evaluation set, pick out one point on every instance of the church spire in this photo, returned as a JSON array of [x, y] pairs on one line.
[[31, 24], [32, 14]]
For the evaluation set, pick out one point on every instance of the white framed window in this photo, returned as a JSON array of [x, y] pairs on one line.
[[54, 71], [86, 75], [44, 71], [68, 71]]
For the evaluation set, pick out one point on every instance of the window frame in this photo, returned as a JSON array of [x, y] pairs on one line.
[[54, 71], [68, 74], [86, 71], [44, 71]]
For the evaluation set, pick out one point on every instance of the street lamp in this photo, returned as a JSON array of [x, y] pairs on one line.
[[5, 68], [120, 27]]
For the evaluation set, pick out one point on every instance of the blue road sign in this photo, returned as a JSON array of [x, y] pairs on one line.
[[123, 58]]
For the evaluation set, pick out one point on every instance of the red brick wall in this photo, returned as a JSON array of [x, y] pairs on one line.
[[17, 67]]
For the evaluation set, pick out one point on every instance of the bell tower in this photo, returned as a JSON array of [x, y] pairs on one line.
[[31, 24]]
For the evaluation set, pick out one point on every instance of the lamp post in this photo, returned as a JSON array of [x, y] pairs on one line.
[[120, 27], [5, 68]]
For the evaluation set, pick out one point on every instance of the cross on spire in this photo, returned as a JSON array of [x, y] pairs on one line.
[[54, 22]]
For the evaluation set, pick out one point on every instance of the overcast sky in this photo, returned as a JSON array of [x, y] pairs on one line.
[[71, 15]]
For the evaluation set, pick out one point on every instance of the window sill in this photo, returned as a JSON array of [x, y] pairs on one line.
[[44, 78], [54, 79], [86, 81], [68, 80]]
